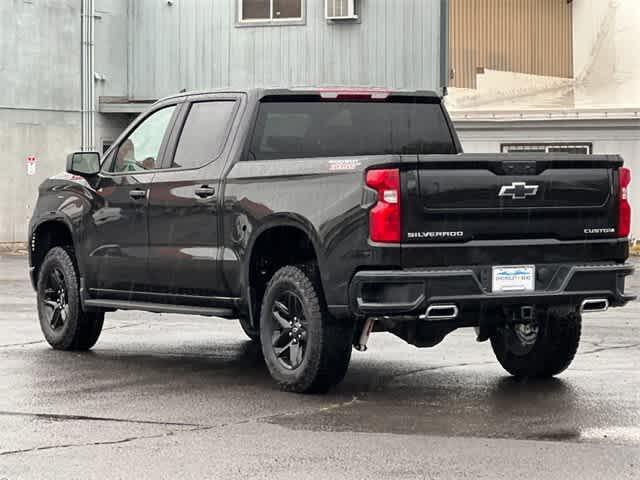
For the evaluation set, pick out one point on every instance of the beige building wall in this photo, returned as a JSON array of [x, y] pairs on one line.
[[525, 36]]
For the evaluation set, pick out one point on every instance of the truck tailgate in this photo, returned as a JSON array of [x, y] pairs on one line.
[[475, 197]]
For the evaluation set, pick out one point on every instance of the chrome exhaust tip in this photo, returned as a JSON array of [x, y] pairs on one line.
[[440, 312], [594, 305]]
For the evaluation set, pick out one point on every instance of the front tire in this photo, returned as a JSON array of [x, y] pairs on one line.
[[63, 322], [552, 352], [305, 349]]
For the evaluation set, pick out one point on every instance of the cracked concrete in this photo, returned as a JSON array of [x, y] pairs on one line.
[[23, 344], [87, 444], [609, 348], [50, 416], [169, 396]]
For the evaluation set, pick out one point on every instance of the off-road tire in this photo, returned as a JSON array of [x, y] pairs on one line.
[[328, 347], [81, 329], [554, 349]]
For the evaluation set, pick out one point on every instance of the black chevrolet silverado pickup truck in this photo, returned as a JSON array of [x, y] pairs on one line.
[[319, 216]]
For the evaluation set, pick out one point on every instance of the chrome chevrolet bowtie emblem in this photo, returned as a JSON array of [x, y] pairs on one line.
[[518, 190]]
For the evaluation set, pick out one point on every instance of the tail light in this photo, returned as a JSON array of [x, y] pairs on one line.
[[624, 208], [384, 217]]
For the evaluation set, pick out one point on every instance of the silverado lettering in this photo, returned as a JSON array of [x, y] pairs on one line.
[[435, 234]]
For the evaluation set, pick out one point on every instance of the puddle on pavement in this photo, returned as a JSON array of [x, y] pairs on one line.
[[553, 410]]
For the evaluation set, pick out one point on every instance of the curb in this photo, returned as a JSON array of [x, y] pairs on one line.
[[16, 248]]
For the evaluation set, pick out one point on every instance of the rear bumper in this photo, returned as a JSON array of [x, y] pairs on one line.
[[411, 292]]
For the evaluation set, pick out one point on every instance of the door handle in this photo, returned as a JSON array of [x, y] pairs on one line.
[[137, 194], [205, 191]]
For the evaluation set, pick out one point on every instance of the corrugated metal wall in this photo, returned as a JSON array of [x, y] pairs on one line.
[[196, 44], [526, 36]]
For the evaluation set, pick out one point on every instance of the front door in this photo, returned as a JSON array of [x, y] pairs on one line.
[[184, 253], [119, 238]]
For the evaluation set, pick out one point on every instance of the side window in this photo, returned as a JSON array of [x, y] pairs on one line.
[[204, 133], [140, 150], [284, 134]]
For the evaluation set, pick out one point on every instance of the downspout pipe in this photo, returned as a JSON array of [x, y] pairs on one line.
[[87, 85], [445, 66]]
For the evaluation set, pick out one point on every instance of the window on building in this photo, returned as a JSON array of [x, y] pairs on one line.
[[204, 134], [341, 9], [270, 10], [547, 147]]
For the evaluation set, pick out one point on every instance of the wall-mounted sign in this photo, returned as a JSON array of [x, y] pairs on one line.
[[31, 165]]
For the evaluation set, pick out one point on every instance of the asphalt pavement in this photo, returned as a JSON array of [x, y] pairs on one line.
[[173, 396]]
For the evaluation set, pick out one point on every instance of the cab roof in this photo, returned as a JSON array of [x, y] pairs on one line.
[[325, 92]]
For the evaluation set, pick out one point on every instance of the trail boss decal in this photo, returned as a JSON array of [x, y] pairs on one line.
[[344, 164], [72, 178]]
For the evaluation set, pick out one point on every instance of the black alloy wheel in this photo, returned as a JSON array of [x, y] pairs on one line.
[[289, 330], [55, 300]]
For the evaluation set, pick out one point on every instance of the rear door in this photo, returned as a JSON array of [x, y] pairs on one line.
[[184, 203]]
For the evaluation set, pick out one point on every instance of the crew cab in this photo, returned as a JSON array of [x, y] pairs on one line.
[[316, 217]]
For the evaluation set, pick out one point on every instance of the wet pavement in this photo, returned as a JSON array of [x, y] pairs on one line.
[[171, 396]]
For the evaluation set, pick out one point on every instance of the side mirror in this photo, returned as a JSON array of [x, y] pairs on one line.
[[84, 164]]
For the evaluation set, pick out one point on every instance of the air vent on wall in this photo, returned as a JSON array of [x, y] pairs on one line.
[[341, 10]]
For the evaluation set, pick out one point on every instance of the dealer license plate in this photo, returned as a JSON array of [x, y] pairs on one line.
[[516, 278]]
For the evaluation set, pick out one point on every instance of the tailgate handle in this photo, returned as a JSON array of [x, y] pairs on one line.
[[519, 168]]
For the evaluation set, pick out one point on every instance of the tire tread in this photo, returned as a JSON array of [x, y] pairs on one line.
[[328, 364], [87, 326], [553, 352]]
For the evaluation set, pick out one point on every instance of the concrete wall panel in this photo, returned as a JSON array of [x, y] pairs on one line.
[[46, 135]]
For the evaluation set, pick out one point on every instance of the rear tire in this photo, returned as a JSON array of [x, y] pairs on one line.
[[305, 349], [553, 351], [63, 322]]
